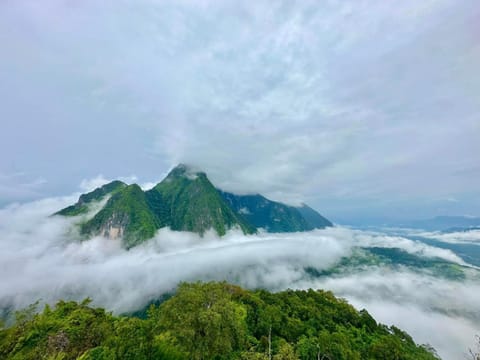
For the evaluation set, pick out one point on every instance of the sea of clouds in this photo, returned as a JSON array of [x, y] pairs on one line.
[[42, 258]]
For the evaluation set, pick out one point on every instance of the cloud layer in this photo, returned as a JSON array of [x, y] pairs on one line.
[[41, 258], [357, 106]]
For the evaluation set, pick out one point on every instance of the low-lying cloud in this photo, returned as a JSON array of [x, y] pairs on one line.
[[41, 257], [457, 237]]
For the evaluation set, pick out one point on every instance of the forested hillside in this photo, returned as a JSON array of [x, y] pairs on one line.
[[210, 321], [185, 200]]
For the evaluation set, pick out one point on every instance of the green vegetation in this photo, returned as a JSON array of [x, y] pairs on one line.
[[193, 204], [270, 215], [182, 201], [128, 212], [211, 321], [186, 201]]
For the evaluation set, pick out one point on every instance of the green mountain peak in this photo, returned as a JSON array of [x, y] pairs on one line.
[[183, 170], [186, 200], [194, 204]]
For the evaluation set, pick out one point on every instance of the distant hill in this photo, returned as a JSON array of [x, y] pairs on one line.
[[274, 216], [442, 223], [185, 200]]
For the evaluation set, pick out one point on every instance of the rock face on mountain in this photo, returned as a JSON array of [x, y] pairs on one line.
[[185, 200], [126, 214]]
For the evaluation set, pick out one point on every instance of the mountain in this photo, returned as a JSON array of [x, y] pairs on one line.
[[313, 218], [442, 223], [189, 202], [185, 200], [274, 216]]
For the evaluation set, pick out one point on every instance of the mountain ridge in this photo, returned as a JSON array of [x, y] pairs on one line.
[[185, 200]]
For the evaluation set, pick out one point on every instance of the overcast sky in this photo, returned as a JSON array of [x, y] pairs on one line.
[[360, 108]]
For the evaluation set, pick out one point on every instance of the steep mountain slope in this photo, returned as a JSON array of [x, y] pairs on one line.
[[185, 200], [81, 206], [192, 203], [274, 216], [126, 214]]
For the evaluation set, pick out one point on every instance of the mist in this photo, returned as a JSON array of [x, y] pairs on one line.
[[42, 258]]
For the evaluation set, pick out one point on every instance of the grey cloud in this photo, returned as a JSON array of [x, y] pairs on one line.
[[301, 101]]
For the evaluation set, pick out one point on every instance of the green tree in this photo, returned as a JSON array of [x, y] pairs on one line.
[[204, 320], [285, 352], [251, 355], [386, 348], [133, 339]]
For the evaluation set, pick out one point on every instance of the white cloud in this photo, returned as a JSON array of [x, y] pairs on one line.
[[297, 100], [87, 185], [450, 335], [458, 237], [17, 187], [442, 313], [372, 239]]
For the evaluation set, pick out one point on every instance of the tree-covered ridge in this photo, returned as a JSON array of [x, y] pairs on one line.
[[211, 321], [274, 216], [186, 200], [194, 204]]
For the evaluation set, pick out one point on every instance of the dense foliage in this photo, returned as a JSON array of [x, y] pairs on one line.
[[127, 209], [274, 216], [211, 321], [194, 204]]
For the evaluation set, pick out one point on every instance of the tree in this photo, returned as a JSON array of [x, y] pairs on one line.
[[285, 352], [204, 320], [386, 347]]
